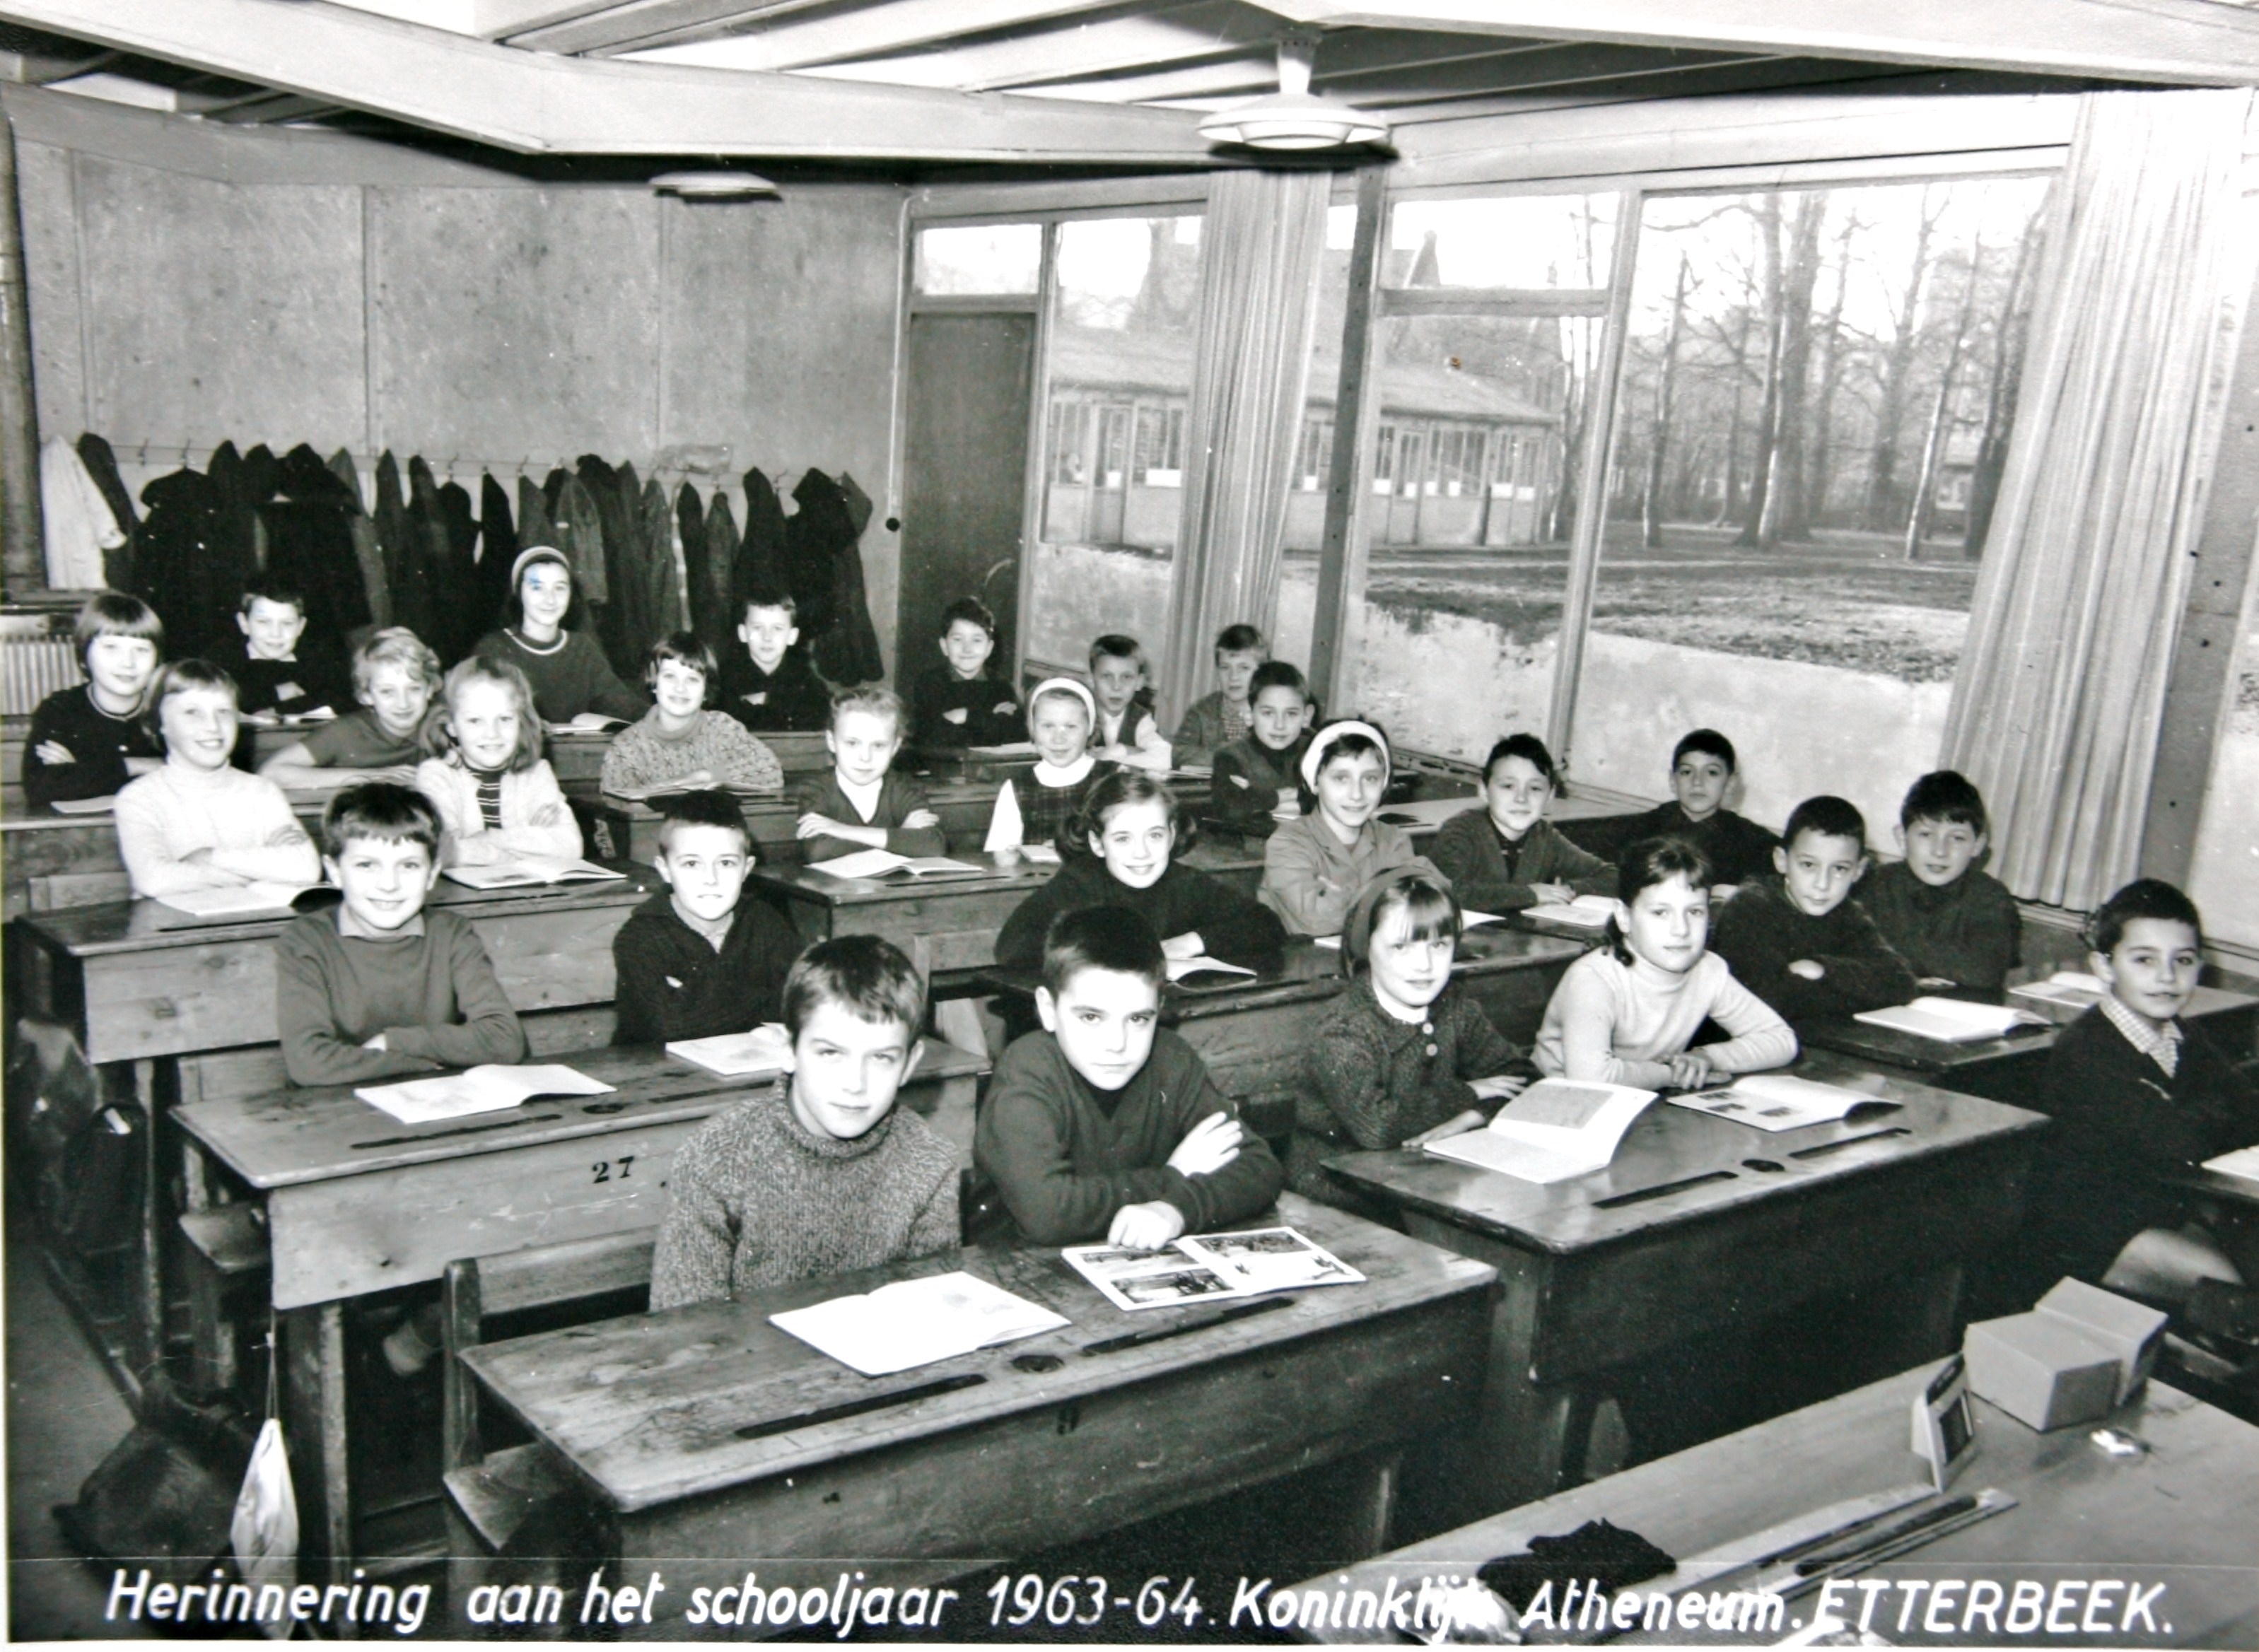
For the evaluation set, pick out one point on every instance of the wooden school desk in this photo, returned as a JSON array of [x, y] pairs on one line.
[[2181, 1516], [357, 1202], [630, 827], [698, 1435], [1701, 1225], [2009, 1068], [48, 861]]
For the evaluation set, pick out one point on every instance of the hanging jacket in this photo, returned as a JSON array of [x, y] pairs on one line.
[[180, 568], [75, 521], [405, 568], [239, 540], [309, 545], [629, 566], [722, 552], [497, 550], [102, 466], [662, 566], [824, 567], [709, 612], [759, 563], [462, 535], [854, 602], [580, 536], [616, 595], [534, 524], [376, 587]]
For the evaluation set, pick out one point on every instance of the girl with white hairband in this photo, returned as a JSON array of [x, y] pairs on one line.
[[1314, 867], [1061, 715]]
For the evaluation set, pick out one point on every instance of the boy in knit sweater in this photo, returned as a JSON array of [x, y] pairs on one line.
[[962, 702], [1702, 769], [1103, 1126], [696, 961], [1957, 926], [1797, 939], [819, 1174], [1218, 719], [378, 986], [771, 687], [1256, 785]]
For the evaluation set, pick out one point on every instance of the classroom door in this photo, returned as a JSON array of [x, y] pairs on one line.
[[965, 475]]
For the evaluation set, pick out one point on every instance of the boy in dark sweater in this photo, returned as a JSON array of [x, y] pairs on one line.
[[1255, 775], [862, 804], [696, 961], [1217, 720], [1955, 926], [1702, 769], [378, 987], [1506, 856], [772, 688], [2141, 1099], [281, 672], [1798, 940], [819, 1174], [1102, 1126], [959, 704], [88, 741]]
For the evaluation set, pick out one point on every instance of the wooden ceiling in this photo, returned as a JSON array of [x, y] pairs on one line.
[[1045, 81]]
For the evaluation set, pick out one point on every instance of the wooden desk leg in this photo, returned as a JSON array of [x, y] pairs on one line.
[[314, 1429], [1376, 1509], [149, 1285]]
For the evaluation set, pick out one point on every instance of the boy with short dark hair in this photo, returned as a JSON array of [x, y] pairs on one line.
[[961, 702], [820, 1174], [1121, 684], [1104, 1125], [1796, 938], [379, 986], [88, 741], [1702, 768], [772, 688], [281, 670], [1956, 925], [862, 804], [1217, 719], [1255, 783], [696, 960]]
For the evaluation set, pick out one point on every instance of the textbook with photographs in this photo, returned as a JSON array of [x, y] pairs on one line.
[[765, 1050], [683, 788], [1198, 1267], [1555, 1129], [914, 1322], [885, 864], [520, 871], [489, 1089], [1950, 1021], [1778, 1101]]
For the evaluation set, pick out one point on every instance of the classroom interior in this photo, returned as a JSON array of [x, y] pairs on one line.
[[1869, 382]]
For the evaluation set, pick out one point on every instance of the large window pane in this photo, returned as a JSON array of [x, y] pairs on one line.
[[1457, 633], [1305, 528], [979, 258], [1818, 390], [1117, 386]]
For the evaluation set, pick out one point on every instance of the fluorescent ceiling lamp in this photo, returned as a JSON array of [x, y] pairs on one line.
[[1291, 117], [717, 185]]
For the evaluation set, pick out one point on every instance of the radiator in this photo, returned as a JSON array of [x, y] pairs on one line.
[[33, 667]]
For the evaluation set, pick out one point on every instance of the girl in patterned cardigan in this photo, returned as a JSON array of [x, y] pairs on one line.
[[680, 743]]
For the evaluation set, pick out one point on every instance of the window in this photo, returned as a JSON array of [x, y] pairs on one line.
[[1814, 410], [1118, 382], [1305, 530], [979, 258]]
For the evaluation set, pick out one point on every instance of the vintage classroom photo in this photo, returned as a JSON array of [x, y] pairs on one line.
[[1130, 822]]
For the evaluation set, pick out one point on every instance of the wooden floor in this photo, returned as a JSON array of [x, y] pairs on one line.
[[63, 1417]]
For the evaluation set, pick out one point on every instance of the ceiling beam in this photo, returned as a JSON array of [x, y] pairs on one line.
[[537, 104], [797, 39], [618, 25], [1072, 50], [2174, 42]]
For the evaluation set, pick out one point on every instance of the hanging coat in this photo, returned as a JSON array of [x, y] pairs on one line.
[[662, 570], [722, 553], [376, 587], [824, 566], [76, 520], [621, 510], [759, 564], [462, 534], [534, 525], [102, 465], [309, 545], [497, 550], [581, 537], [450, 585], [405, 565], [182, 565], [709, 609]]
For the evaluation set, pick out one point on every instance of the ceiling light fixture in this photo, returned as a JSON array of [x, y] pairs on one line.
[[1291, 117], [717, 185]]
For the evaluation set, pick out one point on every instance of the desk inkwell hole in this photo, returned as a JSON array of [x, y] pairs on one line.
[[604, 1107], [1763, 1165], [1037, 1365]]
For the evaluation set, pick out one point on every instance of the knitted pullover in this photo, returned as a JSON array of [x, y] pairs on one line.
[[1066, 1156], [1212, 723], [99, 743], [1491, 874], [898, 798], [243, 821], [1249, 778], [756, 1199], [1761, 932], [1969, 932], [674, 983], [525, 792], [644, 755], [1310, 877], [317, 676], [433, 995], [1737, 849], [992, 711], [1622, 1023], [1182, 900], [1379, 1080], [569, 676]]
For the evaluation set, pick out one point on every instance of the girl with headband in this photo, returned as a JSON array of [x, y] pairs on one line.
[[1314, 867], [1405, 1056], [1061, 714]]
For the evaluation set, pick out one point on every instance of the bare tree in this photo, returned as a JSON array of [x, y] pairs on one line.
[[1933, 445], [1769, 223], [1897, 367], [1819, 462], [1786, 516], [1652, 501], [2010, 331]]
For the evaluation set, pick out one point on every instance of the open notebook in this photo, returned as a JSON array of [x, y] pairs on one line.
[[1585, 912], [1778, 1101], [1555, 1129], [242, 900], [1950, 1021], [1209, 1265], [914, 1322], [488, 1089], [767, 1049], [527, 871], [884, 863]]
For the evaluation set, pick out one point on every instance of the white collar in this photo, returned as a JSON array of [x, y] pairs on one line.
[[1073, 774], [864, 797]]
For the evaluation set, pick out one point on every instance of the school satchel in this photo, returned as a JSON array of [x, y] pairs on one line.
[[78, 1157], [167, 1489]]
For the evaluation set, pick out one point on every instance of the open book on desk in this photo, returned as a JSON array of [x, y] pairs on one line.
[[1555, 1129], [103, 805], [2064, 996], [602, 725], [1950, 1021], [489, 1089], [678, 788], [527, 871], [1778, 1101], [1206, 972], [242, 900], [914, 1322], [1585, 912], [2242, 1164], [1199, 1266], [885, 863], [767, 1049]]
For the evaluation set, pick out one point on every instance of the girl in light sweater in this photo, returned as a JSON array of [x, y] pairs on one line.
[[497, 797], [1623, 1013], [199, 823]]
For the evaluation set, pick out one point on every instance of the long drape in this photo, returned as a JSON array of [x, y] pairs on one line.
[[1263, 242], [2056, 707]]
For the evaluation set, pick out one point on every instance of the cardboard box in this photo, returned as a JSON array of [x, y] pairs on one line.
[[2042, 1371], [2116, 1322]]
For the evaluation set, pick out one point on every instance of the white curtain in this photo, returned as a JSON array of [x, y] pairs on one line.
[[2056, 706], [1262, 246]]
